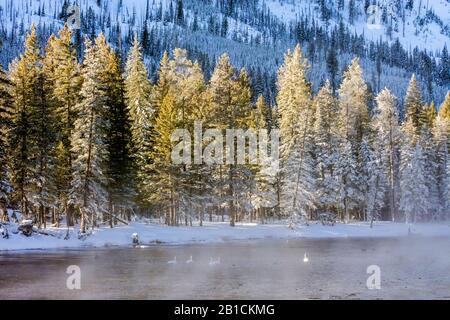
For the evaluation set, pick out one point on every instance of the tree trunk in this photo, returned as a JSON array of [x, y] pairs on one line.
[[3, 212], [231, 201], [70, 215], [111, 211], [83, 221], [347, 212]]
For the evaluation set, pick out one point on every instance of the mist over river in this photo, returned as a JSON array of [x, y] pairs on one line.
[[411, 268]]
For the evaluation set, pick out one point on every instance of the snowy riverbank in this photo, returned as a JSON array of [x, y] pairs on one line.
[[212, 233]]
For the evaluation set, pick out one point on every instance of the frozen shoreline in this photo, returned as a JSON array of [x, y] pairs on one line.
[[151, 234]]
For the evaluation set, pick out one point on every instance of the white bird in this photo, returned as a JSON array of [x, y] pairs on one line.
[[190, 260], [305, 258], [174, 261], [214, 262]]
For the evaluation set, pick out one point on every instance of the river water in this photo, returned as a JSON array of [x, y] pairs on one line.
[[410, 268]]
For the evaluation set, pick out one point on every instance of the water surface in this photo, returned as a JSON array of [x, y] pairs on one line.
[[411, 268]]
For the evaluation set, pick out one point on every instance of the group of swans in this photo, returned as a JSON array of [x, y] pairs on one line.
[[212, 262]]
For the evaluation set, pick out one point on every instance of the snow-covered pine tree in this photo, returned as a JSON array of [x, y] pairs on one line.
[[119, 166], [413, 102], [44, 134], [265, 197], [187, 85], [414, 191], [162, 86], [229, 95], [166, 177], [353, 125], [5, 125], [243, 177], [350, 192], [62, 73], [428, 150], [374, 181], [409, 188], [186, 78], [24, 75], [138, 93], [353, 104], [385, 123], [326, 142], [296, 119], [441, 134], [88, 186]]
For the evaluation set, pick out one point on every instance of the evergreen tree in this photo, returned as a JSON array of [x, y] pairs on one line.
[[88, 186], [166, 174], [119, 168], [326, 142], [374, 181], [414, 191], [43, 137], [354, 112], [5, 125], [179, 17], [413, 102], [265, 197], [138, 94], [63, 79], [24, 75], [332, 65], [353, 124], [428, 148], [296, 113], [349, 180], [230, 108], [186, 83], [441, 132], [386, 127], [162, 86]]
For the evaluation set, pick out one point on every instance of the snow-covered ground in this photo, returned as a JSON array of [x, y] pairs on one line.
[[150, 233]]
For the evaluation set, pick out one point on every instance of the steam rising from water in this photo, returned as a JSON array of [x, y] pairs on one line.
[[410, 268]]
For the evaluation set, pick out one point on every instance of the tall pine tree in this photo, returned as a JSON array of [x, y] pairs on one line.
[[24, 75], [386, 128], [296, 113], [138, 94], [88, 186]]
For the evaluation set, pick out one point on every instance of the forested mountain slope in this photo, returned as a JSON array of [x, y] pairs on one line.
[[393, 38]]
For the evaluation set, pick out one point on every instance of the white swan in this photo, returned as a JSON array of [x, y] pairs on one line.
[[174, 261], [305, 258], [190, 260]]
